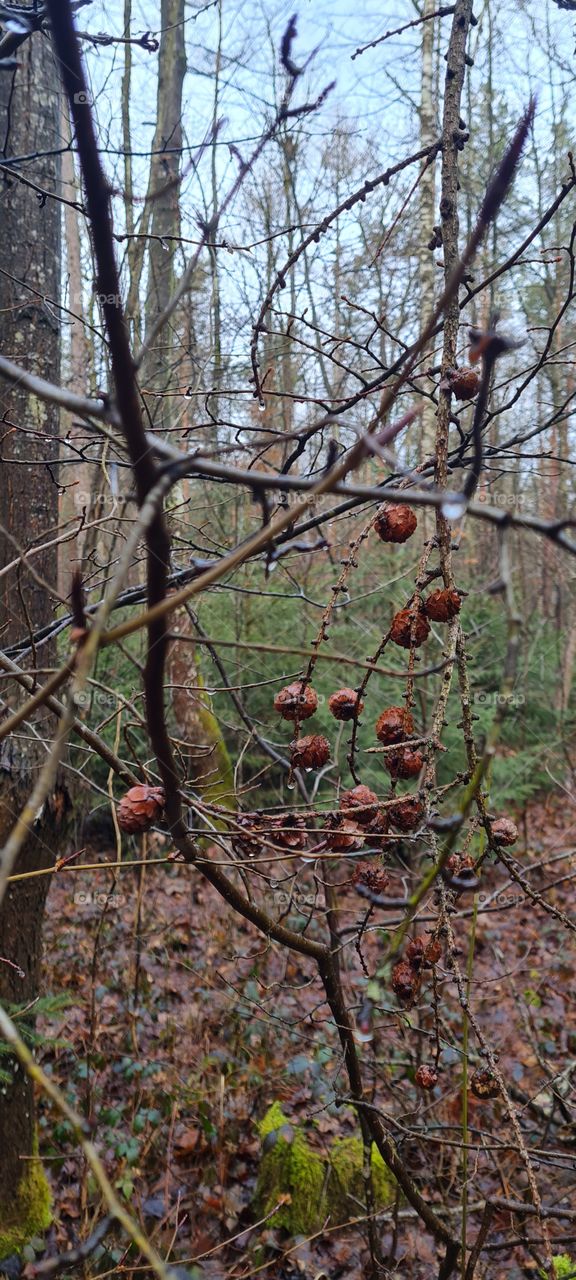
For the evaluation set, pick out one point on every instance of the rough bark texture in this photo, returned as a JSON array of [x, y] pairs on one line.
[[455, 70], [29, 335], [79, 480], [427, 259], [164, 188]]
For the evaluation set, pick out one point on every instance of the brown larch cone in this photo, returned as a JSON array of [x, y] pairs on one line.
[[371, 874], [360, 803], [415, 952], [463, 383], [426, 1076], [504, 831], [410, 627], [310, 752], [395, 523], [407, 813], [484, 1084], [345, 704], [404, 763], [294, 704], [140, 808], [442, 606], [432, 953], [342, 835], [288, 830], [395, 724], [405, 982], [248, 838]]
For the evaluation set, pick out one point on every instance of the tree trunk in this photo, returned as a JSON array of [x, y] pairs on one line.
[[164, 189], [203, 751], [77, 479], [427, 263], [29, 335]]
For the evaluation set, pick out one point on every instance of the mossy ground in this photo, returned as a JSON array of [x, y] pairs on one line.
[[320, 1189], [563, 1265], [29, 1213]]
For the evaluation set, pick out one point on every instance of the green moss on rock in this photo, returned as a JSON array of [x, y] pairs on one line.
[[319, 1189], [29, 1213], [289, 1167], [563, 1266], [347, 1191]]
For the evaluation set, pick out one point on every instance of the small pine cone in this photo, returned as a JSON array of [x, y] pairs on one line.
[[442, 606], [294, 704], [395, 724], [407, 813], [247, 839], [140, 808], [504, 831], [463, 383], [405, 983], [377, 830], [415, 953], [484, 1084], [395, 523], [345, 704], [310, 752], [432, 953], [360, 803], [460, 872], [452, 866], [288, 830], [342, 835], [371, 874], [426, 1077], [404, 763], [410, 627]]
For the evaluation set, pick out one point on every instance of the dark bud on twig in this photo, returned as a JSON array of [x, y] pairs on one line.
[[500, 183], [78, 632], [286, 49], [488, 344]]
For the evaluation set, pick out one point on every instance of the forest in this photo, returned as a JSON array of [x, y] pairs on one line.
[[287, 640]]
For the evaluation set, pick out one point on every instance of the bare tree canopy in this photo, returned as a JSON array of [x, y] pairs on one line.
[[288, 640]]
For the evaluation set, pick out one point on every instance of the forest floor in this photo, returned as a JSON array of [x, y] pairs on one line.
[[183, 1027]]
